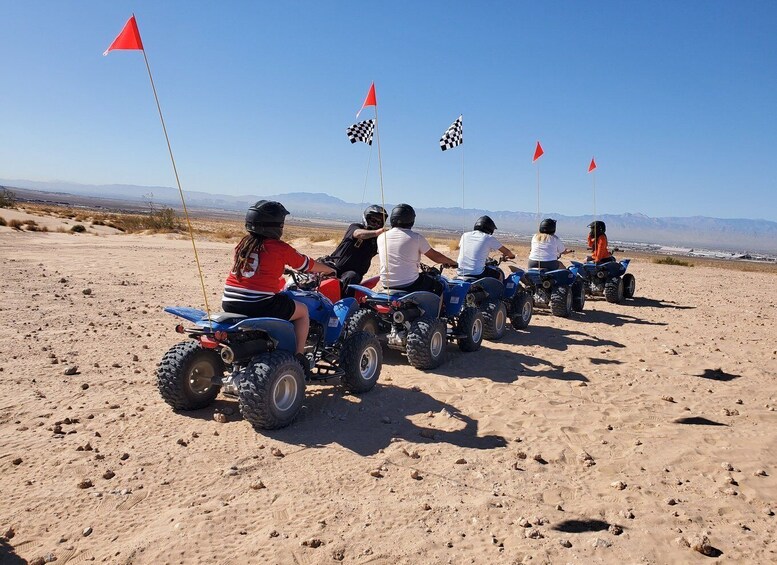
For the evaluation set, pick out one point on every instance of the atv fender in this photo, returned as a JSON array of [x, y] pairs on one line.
[[427, 302], [512, 284], [342, 311], [279, 330], [494, 287]]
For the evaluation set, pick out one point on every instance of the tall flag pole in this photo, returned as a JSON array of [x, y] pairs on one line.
[[453, 137], [592, 169], [129, 39], [538, 152], [372, 100]]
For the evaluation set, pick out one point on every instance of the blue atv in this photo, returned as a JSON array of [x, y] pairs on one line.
[[500, 300], [558, 289], [417, 322], [606, 279], [253, 359]]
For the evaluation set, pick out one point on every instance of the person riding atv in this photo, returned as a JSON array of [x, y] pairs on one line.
[[352, 257], [546, 247], [597, 243], [474, 248], [255, 281], [400, 250]]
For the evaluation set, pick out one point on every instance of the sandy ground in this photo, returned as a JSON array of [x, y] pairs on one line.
[[616, 436]]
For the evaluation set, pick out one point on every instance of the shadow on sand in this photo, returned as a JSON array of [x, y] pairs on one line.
[[698, 421], [582, 526], [556, 338], [616, 319], [330, 416], [385, 413], [8, 555], [652, 303], [717, 375]]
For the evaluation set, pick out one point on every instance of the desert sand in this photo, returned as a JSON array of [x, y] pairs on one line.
[[625, 434]]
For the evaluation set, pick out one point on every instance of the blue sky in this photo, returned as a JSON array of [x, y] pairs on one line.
[[675, 99]]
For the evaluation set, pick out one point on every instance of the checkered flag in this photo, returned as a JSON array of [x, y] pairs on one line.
[[453, 136], [361, 132]]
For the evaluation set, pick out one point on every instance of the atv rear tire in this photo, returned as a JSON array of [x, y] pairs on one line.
[[426, 342], [471, 325], [361, 358], [494, 320], [561, 301], [272, 391], [578, 296], [613, 290], [363, 320], [629, 285], [185, 376], [523, 308]]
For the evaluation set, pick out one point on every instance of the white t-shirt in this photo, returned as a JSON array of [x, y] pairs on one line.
[[474, 247], [548, 250], [404, 248]]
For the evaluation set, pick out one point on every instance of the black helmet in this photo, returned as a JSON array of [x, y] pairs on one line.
[[485, 224], [265, 219], [597, 227], [548, 225], [374, 216], [402, 216]]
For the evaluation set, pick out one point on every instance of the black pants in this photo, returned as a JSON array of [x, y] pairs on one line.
[[423, 282], [348, 278], [549, 265], [493, 272]]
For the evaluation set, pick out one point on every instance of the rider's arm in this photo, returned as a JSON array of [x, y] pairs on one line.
[[438, 257], [368, 234], [316, 267], [506, 252]]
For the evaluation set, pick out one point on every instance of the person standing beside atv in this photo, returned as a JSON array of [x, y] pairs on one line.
[[352, 257], [474, 247], [400, 250], [597, 243], [253, 286], [546, 247]]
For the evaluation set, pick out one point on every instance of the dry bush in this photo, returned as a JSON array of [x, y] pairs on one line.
[[672, 261], [98, 223], [78, 228], [15, 224], [3, 222], [30, 224], [225, 234], [7, 198]]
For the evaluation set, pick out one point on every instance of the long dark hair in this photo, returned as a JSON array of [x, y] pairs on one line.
[[249, 244]]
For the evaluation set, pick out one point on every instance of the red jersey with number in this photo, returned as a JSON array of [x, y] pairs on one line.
[[263, 273]]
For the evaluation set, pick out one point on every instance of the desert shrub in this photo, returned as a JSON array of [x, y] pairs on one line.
[[15, 224], [98, 223], [78, 228], [452, 244], [164, 219], [7, 198], [30, 223], [672, 261], [3, 222], [323, 236]]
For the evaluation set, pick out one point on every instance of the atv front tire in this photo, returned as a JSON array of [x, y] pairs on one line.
[[522, 310], [426, 342], [272, 391], [185, 376], [361, 358], [613, 290], [471, 325], [494, 320], [561, 301], [629, 285]]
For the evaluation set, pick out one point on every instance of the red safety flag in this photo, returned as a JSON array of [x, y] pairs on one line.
[[538, 152], [129, 38], [369, 101], [592, 166]]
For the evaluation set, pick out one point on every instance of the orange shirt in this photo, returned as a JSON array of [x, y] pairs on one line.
[[599, 251]]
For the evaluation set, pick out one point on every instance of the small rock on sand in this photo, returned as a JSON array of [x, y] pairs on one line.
[[565, 543], [761, 473], [87, 531], [376, 473], [220, 418], [464, 461], [619, 485], [72, 370], [727, 466], [615, 530], [598, 543], [701, 543], [86, 483], [276, 452], [416, 475]]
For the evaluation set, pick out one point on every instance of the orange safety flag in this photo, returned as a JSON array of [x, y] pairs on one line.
[[129, 38], [592, 166], [538, 152], [369, 101]]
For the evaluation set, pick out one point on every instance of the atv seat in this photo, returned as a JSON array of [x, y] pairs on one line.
[[226, 317], [469, 278]]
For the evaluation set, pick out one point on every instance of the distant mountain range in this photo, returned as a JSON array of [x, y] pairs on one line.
[[736, 235]]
